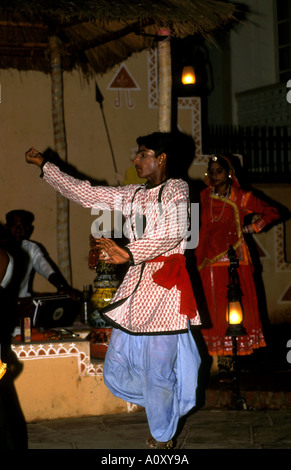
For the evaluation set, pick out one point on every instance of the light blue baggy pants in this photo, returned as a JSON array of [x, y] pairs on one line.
[[157, 372]]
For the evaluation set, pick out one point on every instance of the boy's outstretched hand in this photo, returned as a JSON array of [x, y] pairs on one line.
[[34, 156]]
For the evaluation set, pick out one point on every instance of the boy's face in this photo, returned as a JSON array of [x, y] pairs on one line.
[[145, 162], [19, 229]]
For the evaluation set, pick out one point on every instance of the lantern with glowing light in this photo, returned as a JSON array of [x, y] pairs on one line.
[[188, 75], [234, 311], [235, 317]]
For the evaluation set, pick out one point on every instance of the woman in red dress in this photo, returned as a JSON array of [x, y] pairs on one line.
[[224, 206]]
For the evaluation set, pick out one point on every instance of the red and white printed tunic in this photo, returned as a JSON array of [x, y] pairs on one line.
[[151, 308]]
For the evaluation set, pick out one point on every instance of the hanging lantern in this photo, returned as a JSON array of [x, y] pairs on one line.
[[188, 75]]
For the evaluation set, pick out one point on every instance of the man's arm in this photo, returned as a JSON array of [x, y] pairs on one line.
[[79, 191]]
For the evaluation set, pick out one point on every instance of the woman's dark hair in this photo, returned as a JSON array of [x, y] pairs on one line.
[[220, 160]]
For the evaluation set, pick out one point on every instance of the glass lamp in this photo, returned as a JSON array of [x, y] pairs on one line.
[[188, 75], [234, 310], [234, 313], [235, 317]]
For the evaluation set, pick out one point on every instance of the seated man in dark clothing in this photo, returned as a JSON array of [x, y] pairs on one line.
[[19, 227], [31, 257]]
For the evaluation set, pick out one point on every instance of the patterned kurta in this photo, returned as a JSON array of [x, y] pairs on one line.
[[150, 309]]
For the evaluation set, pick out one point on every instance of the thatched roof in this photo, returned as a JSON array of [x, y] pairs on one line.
[[97, 34]]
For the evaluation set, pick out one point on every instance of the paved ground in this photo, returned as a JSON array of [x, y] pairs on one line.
[[263, 428], [205, 429]]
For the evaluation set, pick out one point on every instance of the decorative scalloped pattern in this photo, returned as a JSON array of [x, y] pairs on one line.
[[28, 352]]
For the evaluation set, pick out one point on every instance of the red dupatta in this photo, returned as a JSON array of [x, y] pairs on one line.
[[174, 273]]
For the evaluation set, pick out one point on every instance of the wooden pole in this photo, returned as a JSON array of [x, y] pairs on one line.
[[63, 230], [164, 80]]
